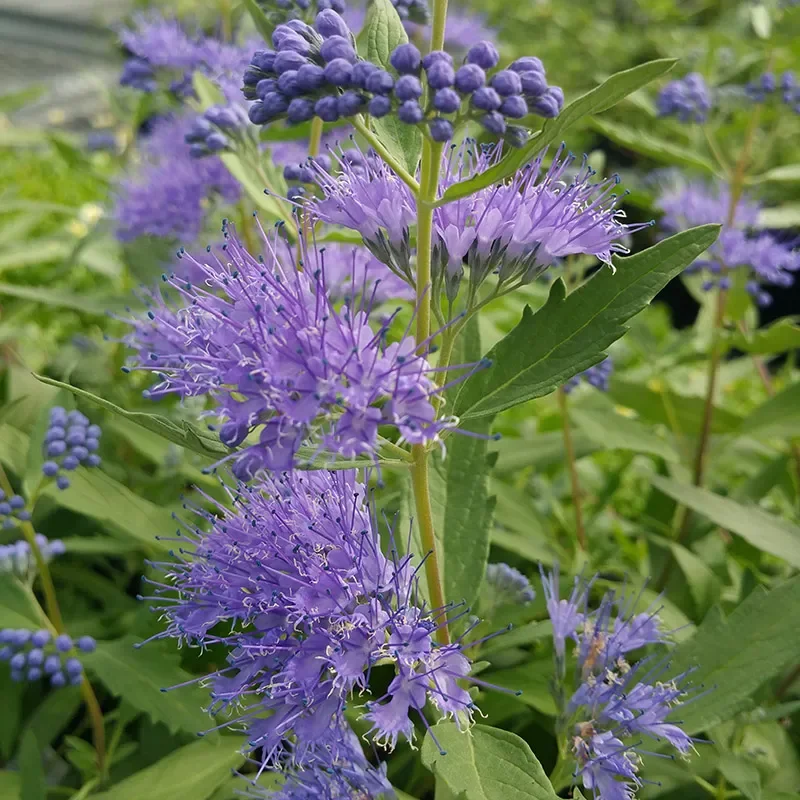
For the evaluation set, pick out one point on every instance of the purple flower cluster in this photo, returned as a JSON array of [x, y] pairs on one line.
[[688, 99], [507, 585], [69, 442], [17, 559], [168, 194], [345, 776], [353, 271], [293, 583], [598, 376], [316, 71], [615, 703], [12, 511], [264, 339], [33, 655], [163, 53], [770, 260], [516, 230]]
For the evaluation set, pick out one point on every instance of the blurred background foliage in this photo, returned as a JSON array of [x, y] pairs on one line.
[[65, 280]]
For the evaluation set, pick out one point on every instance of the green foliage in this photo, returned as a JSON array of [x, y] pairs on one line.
[[768, 533], [737, 655], [145, 676], [182, 433], [192, 772], [32, 780], [485, 764], [725, 543], [608, 94], [570, 332]]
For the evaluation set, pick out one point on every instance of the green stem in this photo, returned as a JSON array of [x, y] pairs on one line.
[[57, 621], [85, 790], [360, 125], [247, 230], [420, 486], [429, 174], [709, 787], [449, 337], [387, 446], [438, 24], [563, 772], [717, 346], [577, 504], [315, 138], [48, 588]]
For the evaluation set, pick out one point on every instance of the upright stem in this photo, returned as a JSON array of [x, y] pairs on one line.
[[426, 196], [247, 229], [438, 24], [57, 621], [315, 138], [577, 504], [375, 142], [429, 173], [737, 181]]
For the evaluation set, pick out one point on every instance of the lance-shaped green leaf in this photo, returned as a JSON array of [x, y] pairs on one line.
[[260, 19], [608, 94], [778, 417], [731, 658], [571, 332], [763, 530], [182, 433], [644, 143], [142, 676], [485, 764], [192, 772]]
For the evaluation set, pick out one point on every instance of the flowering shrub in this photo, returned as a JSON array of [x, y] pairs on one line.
[[342, 452]]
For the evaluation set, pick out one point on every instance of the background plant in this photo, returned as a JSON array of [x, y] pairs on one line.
[[683, 471]]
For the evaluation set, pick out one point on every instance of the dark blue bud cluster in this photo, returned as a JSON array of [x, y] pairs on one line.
[[413, 11], [761, 297], [310, 73], [97, 141], [296, 175], [17, 559], [475, 90], [598, 376], [33, 655], [138, 74], [281, 11], [767, 86], [709, 285], [215, 130], [317, 72], [70, 441], [759, 89], [12, 511], [687, 99]]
